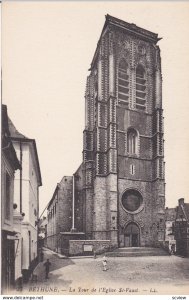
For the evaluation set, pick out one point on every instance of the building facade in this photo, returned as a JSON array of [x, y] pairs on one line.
[[26, 195], [59, 212], [123, 155], [9, 236], [42, 232], [170, 242], [65, 212], [182, 228]]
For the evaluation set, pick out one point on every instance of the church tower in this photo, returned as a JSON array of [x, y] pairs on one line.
[[123, 155]]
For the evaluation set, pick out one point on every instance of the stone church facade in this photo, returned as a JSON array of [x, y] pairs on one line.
[[123, 155], [118, 192]]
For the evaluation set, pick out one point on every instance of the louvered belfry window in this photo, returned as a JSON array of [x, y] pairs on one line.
[[140, 88], [123, 82]]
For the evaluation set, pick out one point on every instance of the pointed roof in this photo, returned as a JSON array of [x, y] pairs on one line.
[[182, 209], [186, 206], [4, 118], [185, 209], [13, 131], [7, 146], [15, 135]]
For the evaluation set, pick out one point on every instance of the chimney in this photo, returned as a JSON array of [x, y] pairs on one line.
[[181, 201]]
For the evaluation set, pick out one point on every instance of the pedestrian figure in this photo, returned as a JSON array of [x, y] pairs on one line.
[[47, 265], [104, 261], [172, 249], [41, 255], [94, 254]]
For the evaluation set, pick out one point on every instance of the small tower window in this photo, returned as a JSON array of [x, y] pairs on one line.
[[141, 49], [132, 141], [123, 82], [132, 169], [140, 88]]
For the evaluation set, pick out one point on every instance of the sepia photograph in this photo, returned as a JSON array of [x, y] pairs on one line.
[[94, 168]]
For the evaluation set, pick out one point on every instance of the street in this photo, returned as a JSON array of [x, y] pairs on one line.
[[125, 275]]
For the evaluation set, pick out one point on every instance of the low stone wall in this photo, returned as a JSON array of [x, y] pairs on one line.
[[86, 247], [65, 237]]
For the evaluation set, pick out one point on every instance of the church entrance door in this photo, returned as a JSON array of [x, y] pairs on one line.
[[132, 235]]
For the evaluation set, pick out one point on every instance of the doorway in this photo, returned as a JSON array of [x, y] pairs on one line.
[[132, 235]]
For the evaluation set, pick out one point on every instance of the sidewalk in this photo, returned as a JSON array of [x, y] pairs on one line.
[[57, 261], [39, 270]]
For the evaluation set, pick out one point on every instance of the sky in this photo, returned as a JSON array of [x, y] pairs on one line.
[[47, 48]]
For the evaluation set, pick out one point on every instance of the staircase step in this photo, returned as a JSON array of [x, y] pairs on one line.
[[137, 251]]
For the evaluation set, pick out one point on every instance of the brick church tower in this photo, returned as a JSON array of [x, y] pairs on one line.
[[123, 155]]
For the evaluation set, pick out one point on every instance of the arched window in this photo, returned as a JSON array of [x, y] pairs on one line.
[[123, 82], [140, 88], [132, 141]]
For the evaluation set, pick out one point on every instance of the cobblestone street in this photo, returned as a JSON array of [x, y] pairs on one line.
[[125, 275]]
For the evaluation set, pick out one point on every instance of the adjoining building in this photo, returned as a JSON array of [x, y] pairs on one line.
[[65, 213], [26, 195], [123, 183], [182, 228], [170, 242], [42, 226], [9, 236], [59, 212]]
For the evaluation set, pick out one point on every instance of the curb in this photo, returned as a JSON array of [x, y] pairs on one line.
[[77, 257], [55, 253]]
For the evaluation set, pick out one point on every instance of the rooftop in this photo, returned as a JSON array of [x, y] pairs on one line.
[[130, 28], [15, 135], [170, 214], [14, 132]]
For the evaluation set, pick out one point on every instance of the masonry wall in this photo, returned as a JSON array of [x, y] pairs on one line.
[[77, 247], [60, 212], [112, 208], [64, 208], [100, 209], [143, 217], [52, 225], [89, 218], [79, 199]]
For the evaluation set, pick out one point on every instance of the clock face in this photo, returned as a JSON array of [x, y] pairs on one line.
[[131, 200]]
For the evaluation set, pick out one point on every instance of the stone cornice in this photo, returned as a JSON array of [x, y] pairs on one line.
[[133, 29], [130, 28]]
